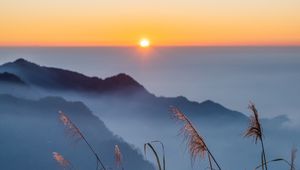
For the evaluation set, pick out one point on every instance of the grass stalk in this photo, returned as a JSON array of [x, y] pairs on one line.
[[255, 130], [195, 141], [74, 130], [118, 157], [158, 162]]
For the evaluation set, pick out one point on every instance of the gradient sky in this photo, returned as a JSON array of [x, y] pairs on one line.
[[164, 22]]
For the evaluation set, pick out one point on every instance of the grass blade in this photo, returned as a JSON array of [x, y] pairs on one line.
[[154, 152]]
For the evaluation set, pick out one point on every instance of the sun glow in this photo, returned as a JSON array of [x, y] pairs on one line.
[[167, 23], [144, 43]]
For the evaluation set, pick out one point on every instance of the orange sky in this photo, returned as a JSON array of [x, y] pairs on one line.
[[164, 22]]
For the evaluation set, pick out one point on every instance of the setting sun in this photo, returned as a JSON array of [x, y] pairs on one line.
[[144, 43]]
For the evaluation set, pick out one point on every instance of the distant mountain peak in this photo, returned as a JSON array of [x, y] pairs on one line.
[[120, 76], [22, 61], [209, 102], [124, 76], [123, 79], [60, 79]]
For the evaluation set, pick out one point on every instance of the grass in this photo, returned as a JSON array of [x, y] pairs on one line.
[[64, 163], [195, 142], [255, 130], [75, 131], [118, 157], [158, 161], [293, 158]]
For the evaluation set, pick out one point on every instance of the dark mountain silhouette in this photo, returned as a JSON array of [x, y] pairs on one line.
[[59, 79], [30, 131], [11, 78], [121, 85]]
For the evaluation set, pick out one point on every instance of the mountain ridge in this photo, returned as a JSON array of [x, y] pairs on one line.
[[11, 78], [36, 125], [61, 79], [121, 85], [139, 116]]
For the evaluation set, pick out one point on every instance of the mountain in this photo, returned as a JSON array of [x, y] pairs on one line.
[[59, 79], [11, 78], [138, 116], [30, 131], [14, 85], [126, 107], [121, 85]]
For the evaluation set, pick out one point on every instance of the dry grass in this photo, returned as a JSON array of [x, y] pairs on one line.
[[255, 130], [75, 131], [293, 158], [290, 164], [195, 142], [151, 146], [65, 164], [196, 145], [118, 157], [71, 128]]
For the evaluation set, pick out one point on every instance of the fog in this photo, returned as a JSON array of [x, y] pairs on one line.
[[141, 120], [132, 119], [230, 75], [30, 131]]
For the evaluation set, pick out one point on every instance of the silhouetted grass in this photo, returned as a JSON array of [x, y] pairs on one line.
[[293, 158], [290, 164], [195, 141], [255, 130], [150, 145], [75, 131]]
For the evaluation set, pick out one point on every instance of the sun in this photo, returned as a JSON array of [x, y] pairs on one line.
[[144, 43]]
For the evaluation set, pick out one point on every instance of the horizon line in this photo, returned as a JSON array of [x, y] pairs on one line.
[[152, 46]]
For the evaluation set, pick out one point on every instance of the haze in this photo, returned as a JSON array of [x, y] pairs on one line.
[[232, 76]]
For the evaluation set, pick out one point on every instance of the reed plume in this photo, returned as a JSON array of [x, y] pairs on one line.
[[255, 130], [71, 128], [118, 157], [61, 160], [196, 145], [75, 132]]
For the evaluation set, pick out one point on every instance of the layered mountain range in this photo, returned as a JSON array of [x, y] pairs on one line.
[[118, 105]]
